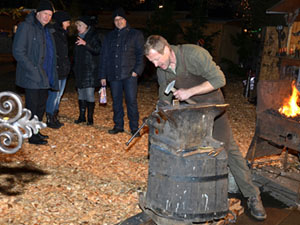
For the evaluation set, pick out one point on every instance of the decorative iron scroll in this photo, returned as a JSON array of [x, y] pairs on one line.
[[15, 123]]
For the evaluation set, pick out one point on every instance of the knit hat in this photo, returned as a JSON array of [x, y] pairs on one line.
[[119, 12], [45, 5], [85, 19], [61, 16]]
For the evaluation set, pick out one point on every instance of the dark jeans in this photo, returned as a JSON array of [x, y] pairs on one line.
[[35, 101], [54, 97], [129, 86]]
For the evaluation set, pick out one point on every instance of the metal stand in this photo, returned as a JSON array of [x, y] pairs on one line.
[[15, 123]]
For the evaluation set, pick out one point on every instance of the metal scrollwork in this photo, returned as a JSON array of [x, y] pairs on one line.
[[15, 123]]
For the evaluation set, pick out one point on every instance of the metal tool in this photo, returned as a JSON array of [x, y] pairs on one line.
[[161, 113], [170, 88], [133, 136]]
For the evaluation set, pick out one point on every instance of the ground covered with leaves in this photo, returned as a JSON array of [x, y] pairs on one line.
[[87, 176]]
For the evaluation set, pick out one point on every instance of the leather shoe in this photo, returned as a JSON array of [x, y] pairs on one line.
[[256, 208], [115, 130], [134, 131], [80, 120], [35, 139], [59, 123], [42, 136]]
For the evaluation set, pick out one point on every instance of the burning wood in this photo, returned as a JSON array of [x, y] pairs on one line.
[[291, 107], [283, 116]]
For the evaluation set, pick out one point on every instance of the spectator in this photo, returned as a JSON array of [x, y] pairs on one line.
[[121, 63], [34, 51], [59, 30], [86, 60]]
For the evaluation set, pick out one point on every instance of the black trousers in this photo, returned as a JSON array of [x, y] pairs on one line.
[[35, 101]]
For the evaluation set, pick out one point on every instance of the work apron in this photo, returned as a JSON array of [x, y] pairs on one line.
[[221, 131]]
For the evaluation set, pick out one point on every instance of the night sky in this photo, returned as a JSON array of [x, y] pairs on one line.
[[215, 7]]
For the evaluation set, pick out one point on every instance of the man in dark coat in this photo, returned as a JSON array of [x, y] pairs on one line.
[[34, 51], [121, 63]]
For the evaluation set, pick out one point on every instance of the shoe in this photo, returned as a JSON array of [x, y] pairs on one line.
[[36, 140], [51, 121], [60, 124], [134, 131], [115, 130], [80, 120], [90, 122], [42, 136], [256, 208], [56, 119]]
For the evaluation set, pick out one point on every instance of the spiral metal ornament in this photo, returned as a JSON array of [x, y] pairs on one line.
[[15, 123]]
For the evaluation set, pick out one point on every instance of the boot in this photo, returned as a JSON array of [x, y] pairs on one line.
[[51, 122], [256, 208], [36, 140], [115, 130], [82, 109], [56, 118], [90, 107], [42, 136]]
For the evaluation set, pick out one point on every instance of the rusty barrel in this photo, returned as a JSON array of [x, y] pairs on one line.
[[187, 176]]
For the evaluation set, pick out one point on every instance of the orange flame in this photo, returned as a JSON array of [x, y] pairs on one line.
[[290, 107]]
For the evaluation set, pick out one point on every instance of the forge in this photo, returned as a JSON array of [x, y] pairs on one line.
[[276, 134]]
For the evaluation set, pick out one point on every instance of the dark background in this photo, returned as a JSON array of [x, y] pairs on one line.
[[215, 7]]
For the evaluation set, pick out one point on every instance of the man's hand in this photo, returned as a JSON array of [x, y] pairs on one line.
[[134, 74], [103, 82], [184, 94]]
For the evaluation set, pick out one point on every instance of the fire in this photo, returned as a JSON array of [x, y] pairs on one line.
[[291, 108]]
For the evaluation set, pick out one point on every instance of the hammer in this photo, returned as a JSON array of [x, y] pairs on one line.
[[170, 88]]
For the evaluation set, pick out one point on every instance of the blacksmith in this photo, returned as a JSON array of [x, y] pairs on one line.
[[199, 78]]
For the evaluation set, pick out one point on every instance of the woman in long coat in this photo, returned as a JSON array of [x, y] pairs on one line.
[[86, 60], [60, 34]]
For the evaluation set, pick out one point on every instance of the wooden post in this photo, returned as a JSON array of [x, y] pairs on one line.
[[290, 18]]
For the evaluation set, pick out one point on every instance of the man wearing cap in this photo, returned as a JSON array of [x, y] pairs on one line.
[[121, 62], [59, 31], [34, 51]]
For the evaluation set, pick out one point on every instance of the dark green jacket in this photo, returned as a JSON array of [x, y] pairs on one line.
[[194, 60]]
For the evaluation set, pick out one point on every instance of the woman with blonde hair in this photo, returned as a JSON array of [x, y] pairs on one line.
[[86, 60]]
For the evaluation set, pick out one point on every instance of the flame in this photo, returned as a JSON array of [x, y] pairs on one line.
[[290, 107]]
